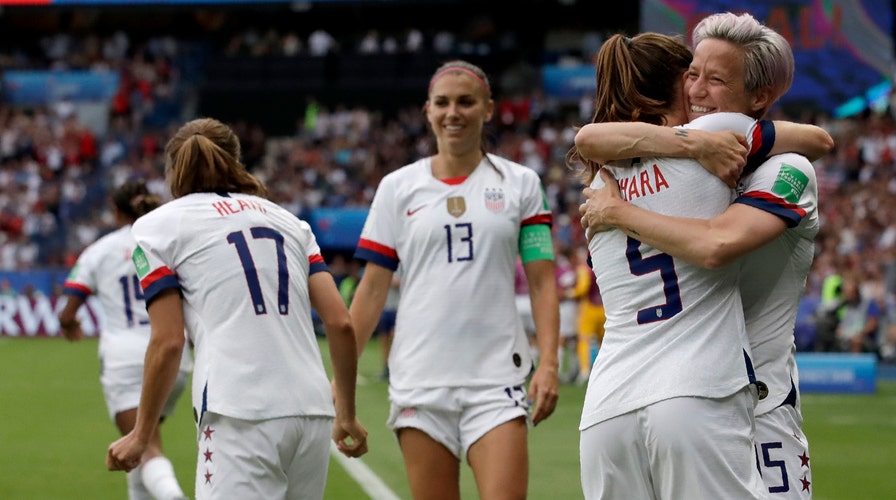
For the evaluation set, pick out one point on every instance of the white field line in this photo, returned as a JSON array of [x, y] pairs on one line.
[[361, 473]]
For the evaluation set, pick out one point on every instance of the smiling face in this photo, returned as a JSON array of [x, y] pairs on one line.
[[457, 109], [715, 82]]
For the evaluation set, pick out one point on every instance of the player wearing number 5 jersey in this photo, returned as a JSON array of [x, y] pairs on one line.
[[104, 270], [240, 275], [769, 227], [457, 222], [668, 408]]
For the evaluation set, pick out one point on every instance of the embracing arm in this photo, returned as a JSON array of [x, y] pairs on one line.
[[722, 153], [811, 141], [711, 243], [604, 142]]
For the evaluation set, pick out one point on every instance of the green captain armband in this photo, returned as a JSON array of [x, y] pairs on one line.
[[535, 243]]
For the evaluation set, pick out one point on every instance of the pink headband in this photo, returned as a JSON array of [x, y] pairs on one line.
[[463, 70]]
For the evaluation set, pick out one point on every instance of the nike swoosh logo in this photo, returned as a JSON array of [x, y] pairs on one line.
[[412, 212]]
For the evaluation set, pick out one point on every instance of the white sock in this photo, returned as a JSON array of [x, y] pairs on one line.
[[159, 479], [136, 489]]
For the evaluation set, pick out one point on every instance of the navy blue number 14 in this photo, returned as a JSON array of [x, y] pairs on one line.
[[128, 284]]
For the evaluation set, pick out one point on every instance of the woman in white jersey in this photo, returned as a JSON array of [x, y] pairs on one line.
[[668, 408], [104, 269], [771, 223], [456, 222], [240, 275]]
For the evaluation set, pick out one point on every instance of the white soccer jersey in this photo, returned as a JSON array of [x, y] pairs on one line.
[[773, 278], [241, 264], [105, 269], [672, 328], [457, 242]]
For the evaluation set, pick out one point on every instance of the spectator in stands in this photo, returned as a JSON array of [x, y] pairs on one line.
[[413, 41], [591, 316], [859, 317], [565, 272], [105, 270], [370, 43], [887, 329], [826, 316], [456, 222], [321, 43]]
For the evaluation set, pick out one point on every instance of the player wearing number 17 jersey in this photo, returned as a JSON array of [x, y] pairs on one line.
[[241, 274]]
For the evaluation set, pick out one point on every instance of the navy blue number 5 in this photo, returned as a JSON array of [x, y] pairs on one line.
[[778, 464], [238, 240], [662, 262]]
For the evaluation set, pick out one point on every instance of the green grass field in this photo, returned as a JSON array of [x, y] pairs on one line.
[[54, 432]]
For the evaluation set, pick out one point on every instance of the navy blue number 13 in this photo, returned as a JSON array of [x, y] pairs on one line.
[[465, 230], [238, 240], [639, 266]]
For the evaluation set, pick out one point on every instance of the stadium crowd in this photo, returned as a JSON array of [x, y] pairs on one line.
[[56, 171]]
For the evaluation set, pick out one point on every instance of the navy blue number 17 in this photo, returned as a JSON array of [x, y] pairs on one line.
[[238, 240], [662, 262]]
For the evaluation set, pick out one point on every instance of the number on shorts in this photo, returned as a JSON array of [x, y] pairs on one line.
[[520, 394], [768, 463]]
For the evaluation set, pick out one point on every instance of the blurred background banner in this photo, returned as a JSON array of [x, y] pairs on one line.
[[30, 301], [45, 87], [837, 372], [842, 48], [568, 82], [338, 228]]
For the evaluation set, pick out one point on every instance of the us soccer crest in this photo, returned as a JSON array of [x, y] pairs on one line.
[[494, 200], [456, 206]]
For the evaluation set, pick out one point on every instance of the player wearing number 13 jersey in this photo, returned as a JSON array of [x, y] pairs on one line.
[[240, 274], [464, 234], [457, 222]]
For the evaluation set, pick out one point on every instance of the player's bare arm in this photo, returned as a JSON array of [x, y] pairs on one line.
[[348, 433], [543, 387], [166, 345]]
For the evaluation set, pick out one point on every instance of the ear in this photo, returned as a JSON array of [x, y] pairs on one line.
[[763, 99], [490, 110]]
